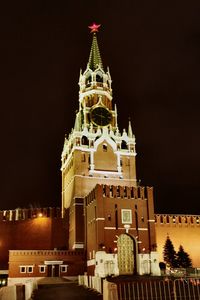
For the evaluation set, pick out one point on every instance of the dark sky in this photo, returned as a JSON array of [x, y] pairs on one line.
[[153, 51]]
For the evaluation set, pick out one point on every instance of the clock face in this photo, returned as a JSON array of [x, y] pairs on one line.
[[100, 116]]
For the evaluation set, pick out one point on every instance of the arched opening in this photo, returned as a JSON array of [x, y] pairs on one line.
[[99, 78], [124, 145], [84, 140], [126, 254], [105, 147], [88, 79]]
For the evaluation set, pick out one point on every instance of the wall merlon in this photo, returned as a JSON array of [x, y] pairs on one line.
[[177, 219], [140, 193], [25, 214]]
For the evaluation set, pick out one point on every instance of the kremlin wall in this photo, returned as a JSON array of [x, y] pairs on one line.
[[45, 229], [183, 230], [31, 229]]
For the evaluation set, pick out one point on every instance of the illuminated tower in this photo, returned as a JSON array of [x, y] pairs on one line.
[[95, 152]]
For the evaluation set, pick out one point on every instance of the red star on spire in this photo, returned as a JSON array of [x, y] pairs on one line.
[[94, 27]]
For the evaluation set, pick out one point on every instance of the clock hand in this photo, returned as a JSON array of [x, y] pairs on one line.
[[101, 116]]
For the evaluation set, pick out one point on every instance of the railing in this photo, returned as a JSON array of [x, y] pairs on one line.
[[187, 288], [143, 290], [92, 282], [178, 289]]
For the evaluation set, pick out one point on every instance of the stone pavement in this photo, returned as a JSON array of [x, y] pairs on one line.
[[61, 289]]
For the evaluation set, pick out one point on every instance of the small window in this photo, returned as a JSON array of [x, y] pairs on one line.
[[109, 217], [30, 269], [128, 161], [101, 261], [88, 80], [63, 268], [99, 78], [83, 158], [84, 140], [104, 147], [124, 145], [42, 269], [22, 269]]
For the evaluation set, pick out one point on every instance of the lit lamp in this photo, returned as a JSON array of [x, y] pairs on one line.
[[127, 227]]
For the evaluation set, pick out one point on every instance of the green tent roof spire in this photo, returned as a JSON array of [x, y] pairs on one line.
[[95, 57]]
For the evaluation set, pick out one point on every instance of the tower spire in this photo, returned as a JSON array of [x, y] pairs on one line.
[[95, 56], [130, 131]]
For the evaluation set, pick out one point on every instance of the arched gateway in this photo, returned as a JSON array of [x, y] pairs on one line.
[[126, 254]]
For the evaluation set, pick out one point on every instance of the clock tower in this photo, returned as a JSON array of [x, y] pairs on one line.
[[95, 152]]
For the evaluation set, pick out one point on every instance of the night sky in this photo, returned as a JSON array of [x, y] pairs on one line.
[[153, 51]]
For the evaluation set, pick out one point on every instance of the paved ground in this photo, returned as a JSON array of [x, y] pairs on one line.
[[63, 291]]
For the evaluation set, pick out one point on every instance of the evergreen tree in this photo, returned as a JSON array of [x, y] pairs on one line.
[[183, 259], [169, 254]]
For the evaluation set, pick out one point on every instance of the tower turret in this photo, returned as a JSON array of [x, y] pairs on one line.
[[95, 88], [95, 152]]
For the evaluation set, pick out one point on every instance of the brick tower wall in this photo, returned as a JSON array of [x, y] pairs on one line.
[[103, 217]]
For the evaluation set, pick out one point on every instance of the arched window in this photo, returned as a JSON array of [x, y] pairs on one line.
[[88, 79], [99, 78], [84, 140], [105, 147], [124, 145]]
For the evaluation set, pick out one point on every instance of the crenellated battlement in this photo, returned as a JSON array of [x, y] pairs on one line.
[[177, 219], [29, 213], [126, 192], [45, 253], [111, 191]]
